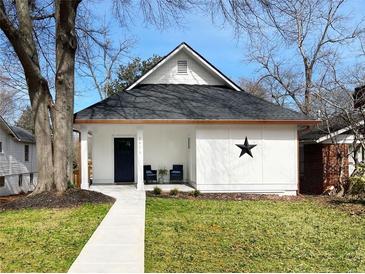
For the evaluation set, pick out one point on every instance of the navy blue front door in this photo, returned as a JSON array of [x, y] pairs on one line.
[[123, 160]]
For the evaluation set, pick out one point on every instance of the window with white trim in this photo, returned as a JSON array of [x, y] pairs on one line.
[[1, 147], [2, 181], [182, 66]]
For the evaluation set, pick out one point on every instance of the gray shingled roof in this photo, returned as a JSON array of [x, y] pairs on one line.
[[23, 135], [198, 102], [319, 131], [18, 133], [333, 124]]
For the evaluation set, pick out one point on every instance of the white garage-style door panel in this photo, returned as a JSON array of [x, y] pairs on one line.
[[273, 168], [244, 169], [212, 156], [280, 150]]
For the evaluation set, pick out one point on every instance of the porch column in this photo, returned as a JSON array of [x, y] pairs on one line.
[[84, 158], [140, 183]]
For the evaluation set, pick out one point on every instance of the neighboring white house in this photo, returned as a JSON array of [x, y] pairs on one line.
[[184, 111], [17, 160]]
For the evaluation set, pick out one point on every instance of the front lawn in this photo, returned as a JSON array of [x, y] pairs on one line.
[[46, 240], [252, 236]]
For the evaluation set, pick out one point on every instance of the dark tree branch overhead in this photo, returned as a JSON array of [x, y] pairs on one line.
[[42, 17], [12, 34], [160, 13]]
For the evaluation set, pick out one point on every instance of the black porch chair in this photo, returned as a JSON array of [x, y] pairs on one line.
[[149, 174], [177, 173]]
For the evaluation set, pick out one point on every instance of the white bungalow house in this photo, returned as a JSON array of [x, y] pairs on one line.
[[17, 160], [185, 112]]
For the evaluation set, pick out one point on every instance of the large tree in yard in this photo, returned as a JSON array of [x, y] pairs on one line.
[[44, 37], [17, 23]]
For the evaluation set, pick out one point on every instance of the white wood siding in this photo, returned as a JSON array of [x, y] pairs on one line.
[[197, 74], [4, 155], [12, 184], [273, 168], [192, 157], [12, 164]]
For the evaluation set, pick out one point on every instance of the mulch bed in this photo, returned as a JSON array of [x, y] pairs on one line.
[[226, 196], [70, 198]]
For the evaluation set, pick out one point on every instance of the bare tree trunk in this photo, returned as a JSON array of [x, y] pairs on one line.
[[40, 100], [66, 44], [24, 45]]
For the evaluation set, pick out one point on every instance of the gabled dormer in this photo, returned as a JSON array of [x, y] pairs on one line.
[[184, 65]]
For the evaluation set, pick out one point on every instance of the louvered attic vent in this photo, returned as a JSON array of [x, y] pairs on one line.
[[182, 66]]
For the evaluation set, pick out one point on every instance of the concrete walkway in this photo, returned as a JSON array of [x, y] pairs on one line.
[[117, 245]]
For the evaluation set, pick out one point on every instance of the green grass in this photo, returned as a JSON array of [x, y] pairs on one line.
[[252, 236], [46, 240]]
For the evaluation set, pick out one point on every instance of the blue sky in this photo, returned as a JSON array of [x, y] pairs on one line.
[[215, 42]]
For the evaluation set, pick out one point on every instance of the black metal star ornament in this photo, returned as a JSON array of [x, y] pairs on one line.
[[246, 148]]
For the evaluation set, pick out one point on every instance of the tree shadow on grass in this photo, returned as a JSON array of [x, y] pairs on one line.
[[350, 205], [348, 201]]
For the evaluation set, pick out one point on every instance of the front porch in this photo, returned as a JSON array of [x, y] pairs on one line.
[[120, 153]]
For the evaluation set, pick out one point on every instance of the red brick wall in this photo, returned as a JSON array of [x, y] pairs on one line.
[[335, 158], [321, 166]]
